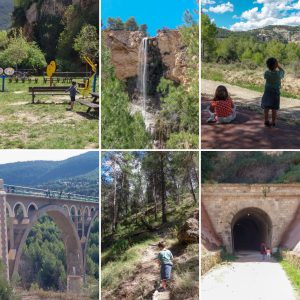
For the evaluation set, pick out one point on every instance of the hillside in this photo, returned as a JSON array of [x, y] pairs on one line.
[[251, 167], [76, 174], [285, 34], [6, 8]]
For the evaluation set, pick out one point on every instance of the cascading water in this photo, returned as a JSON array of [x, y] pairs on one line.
[[143, 72]]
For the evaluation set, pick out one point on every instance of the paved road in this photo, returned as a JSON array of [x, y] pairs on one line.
[[248, 279], [248, 130]]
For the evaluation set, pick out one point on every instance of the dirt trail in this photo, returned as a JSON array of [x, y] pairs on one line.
[[248, 278], [144, 281]]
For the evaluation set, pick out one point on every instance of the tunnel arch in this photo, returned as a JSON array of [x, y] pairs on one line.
[[69, 235], [249, 228]]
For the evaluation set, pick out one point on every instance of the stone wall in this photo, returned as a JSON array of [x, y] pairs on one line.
[[224, 201]]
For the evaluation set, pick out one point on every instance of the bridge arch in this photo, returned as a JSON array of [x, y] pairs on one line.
[[10, 211], [32, 207], [249, 228], [69, 234], [67, 209], [94, 217], [22, 206]]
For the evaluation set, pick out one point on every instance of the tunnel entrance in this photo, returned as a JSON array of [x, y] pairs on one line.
[[251, 227]]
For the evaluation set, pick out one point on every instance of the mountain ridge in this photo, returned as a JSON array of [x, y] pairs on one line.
[[78, 174], [283, 33]]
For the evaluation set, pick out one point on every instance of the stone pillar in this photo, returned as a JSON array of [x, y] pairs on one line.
[[3, 229]]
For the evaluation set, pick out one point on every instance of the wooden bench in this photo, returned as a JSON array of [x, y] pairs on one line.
[[91, 105], [51, 91]]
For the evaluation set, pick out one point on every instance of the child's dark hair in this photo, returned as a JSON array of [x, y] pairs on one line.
[[162, 244], [272, 63], [73, 82], [221, 93]]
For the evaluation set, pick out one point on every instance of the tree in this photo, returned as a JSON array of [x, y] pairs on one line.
[[143, 28], [208, 38], [131, 24], [86, 43], [115, 24]]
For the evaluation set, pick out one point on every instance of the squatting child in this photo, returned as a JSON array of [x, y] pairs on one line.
[[271, 97], [222, 109], [164, 258]]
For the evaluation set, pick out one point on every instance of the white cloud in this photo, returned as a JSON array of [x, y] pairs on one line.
[[222, 8], [273, 12], [207, 2]]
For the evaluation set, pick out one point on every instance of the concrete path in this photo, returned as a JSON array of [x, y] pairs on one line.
[[248, 278]]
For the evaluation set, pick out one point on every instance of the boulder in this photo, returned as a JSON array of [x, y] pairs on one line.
[[189, 232]]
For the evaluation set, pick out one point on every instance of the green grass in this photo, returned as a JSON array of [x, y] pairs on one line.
[[227, 257], [114, 272], [45, 125], [293, 274]]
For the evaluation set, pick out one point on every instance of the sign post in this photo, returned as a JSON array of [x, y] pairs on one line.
[[5, 73]]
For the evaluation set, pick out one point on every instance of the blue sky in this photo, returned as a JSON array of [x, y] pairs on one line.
[[250, 14], [155, 13]]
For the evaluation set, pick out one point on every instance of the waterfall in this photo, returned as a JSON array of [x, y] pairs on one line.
[[143, 72]]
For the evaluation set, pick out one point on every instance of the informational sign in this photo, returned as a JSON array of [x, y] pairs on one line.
[[51, 68], [1, 71], [9, 71]]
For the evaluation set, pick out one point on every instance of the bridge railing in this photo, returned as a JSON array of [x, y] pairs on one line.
[[27, 191]]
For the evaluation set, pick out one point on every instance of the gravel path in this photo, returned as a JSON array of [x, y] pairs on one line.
[[248, 278]]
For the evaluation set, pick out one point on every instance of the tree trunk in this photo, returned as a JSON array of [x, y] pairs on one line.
[[163, 189], [192, 189], [154, 197], [114, 220]]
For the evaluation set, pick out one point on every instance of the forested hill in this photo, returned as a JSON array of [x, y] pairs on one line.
[[280, 33], [6, 8], [77, 174], [250, 167]]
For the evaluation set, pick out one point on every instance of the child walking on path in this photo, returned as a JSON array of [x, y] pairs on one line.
[[271, 96], [165, 258], [73, 91], [222, 109]]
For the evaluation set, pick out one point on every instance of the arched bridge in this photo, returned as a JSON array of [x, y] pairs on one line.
[[21, 207]]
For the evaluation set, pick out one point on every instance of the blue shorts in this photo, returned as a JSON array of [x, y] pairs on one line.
[[165, 271]]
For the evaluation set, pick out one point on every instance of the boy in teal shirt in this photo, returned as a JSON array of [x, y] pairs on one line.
[[165, 258]]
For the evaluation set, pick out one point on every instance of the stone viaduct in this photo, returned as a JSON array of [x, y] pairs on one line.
[[20, 209], [245, 215]]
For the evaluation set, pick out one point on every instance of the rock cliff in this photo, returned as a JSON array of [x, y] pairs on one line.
[[49, 8], [124, 47]]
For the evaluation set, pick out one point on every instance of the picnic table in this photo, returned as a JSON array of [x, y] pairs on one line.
[[94, 104]]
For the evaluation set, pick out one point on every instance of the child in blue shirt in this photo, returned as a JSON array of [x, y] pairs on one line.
[[164, 258]]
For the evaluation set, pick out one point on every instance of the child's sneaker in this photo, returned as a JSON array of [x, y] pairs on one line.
[[211, 120]]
